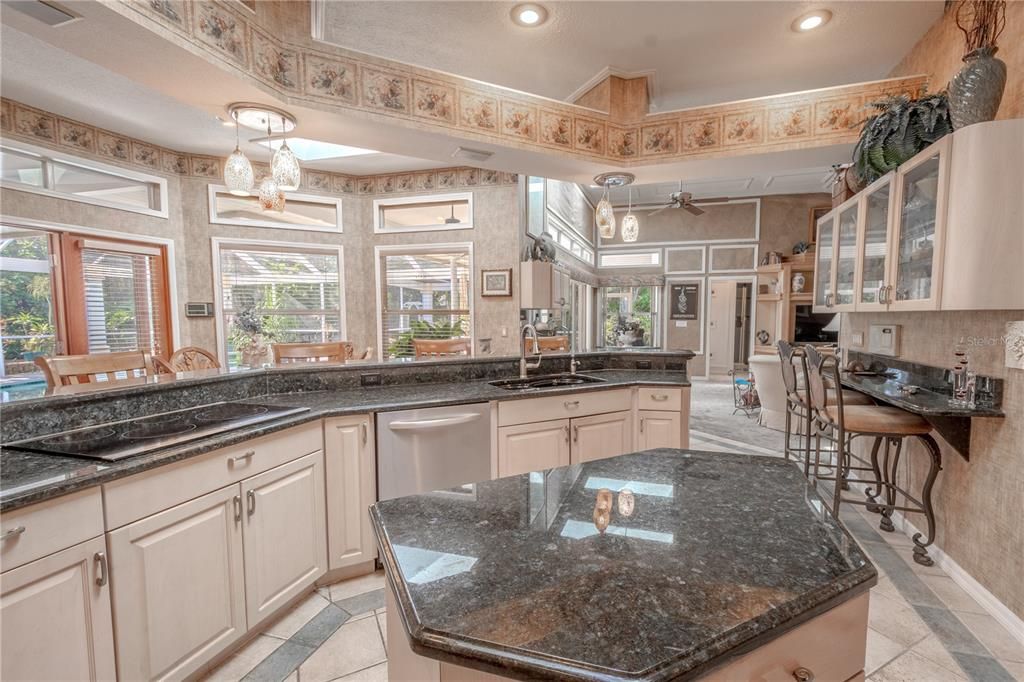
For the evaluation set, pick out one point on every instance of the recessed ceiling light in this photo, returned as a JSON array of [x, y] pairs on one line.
[[315, 150], [529, 14], [811, 20]]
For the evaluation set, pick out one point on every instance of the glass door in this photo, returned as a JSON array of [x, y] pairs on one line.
[[823, 270], [917, 243], [846, 256], [874, 245]]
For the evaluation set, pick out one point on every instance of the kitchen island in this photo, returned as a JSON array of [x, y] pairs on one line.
[[661, 565]]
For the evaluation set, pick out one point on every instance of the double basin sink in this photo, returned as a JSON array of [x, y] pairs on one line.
[[545, 381]]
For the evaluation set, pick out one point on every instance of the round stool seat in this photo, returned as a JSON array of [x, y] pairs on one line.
[[850, 397], [887, 421]]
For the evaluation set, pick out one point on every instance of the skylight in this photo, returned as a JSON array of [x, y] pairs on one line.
[[315, 150]]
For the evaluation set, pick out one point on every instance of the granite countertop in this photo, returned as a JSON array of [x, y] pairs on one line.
[[720, 554], [925, 402], [27, 478]]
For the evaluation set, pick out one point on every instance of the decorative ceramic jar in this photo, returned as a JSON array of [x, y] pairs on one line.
[[976, 91], [798, 282]]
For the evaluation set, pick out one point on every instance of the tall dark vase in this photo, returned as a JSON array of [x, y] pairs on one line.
[[977, 89]]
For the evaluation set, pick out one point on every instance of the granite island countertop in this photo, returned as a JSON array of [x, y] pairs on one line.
[[27, 478], [719, 554]]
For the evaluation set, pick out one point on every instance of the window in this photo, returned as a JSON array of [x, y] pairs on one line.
[[424, 294], [33, 169], [428, 213], [561, 210], [630, 316], [28, 325], [294, 293], [301, 211], [630, 259]]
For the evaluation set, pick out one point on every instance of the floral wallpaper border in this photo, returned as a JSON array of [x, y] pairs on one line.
[[323, 74], [50, 130]]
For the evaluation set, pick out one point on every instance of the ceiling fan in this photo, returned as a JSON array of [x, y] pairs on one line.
[[684, 200]]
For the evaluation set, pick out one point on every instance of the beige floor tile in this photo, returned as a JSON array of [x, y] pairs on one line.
[[994, 636], [378, 673], [886, 587], [932, 649], [245, 660], [289, 623], [1015, 669], [911, 667], [354, 586], [353, 647], [324, 591], [880, 651], [897, 621], [382, 622], [952, 594], [294, 677]]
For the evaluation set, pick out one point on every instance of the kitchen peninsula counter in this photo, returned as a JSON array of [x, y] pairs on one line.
[[702, 561]]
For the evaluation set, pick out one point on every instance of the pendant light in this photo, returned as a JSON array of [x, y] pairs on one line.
[[285, 166], [238, 175], [452, 220], [630, 225], [604, 215], [271, 196]]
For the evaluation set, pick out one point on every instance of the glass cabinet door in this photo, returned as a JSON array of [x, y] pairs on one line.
[[823, 267], [875, 247], [915, 247], [846, 257]]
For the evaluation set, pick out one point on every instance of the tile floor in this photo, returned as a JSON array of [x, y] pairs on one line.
[[922, 627]]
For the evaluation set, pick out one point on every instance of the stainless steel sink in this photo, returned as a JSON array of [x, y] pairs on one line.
[[545, 381]]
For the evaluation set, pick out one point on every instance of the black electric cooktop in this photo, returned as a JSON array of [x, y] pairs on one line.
[[123, 439]]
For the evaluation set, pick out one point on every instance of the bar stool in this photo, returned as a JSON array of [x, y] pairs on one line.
[[798, 401], [888, 425]]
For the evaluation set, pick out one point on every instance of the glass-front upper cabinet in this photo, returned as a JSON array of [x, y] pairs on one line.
[[873, 273], [846, 256], [823, 270], [919, 226]]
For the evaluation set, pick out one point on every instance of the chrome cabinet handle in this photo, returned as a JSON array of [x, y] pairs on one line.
[[101, 568], [237, 500], [575, 434], [659, 398], [803, 674], [243, 458], [362, 427], [250, 497], [14, 532], [642, 420], [888, 294], [566, 430], [881, 293], [828, 300], [571, 404]]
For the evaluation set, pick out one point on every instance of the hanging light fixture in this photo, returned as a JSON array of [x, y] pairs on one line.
[[238, 175], [630, 225], [270, 194], [285, 166], [604, 214]]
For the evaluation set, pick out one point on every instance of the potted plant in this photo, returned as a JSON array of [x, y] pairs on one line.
[[628, 332], [250, 336], [977, 89], [900, 128]]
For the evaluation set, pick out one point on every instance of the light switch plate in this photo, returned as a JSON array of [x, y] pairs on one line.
[[857, 339], [884, 339]]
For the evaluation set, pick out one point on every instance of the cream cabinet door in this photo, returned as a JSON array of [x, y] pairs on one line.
[[533, 447], [56, 617], [602, 435], [660, 429], [350, 467], [178, 586], [285, 534]]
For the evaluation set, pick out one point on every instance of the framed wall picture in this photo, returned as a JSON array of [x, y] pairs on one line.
[[496, 282], [684, 301]]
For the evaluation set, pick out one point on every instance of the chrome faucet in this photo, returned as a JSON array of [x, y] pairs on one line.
[[531, 331]]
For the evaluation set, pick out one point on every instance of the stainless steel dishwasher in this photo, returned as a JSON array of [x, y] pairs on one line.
[[431, 449]]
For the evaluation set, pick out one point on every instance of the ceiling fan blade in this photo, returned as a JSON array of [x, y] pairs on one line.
[[710, 200], [690, 208]]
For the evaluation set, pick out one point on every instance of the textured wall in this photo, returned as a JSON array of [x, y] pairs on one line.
[[978, 503], [938, 54]]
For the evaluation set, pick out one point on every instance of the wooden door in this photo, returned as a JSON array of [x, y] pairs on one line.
[[285, 534], [56, 617], [178, 586], [533, 447], [602, 435], [721, 326], [660, 429], [824, 270], [350, 467]]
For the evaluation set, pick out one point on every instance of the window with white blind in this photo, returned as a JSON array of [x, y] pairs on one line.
[[294, 294], [424, 293]]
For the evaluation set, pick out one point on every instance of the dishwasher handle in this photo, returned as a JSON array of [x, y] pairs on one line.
[[428, 424]]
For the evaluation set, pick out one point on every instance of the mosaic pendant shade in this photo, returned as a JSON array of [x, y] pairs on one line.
[[271, 196], [604, 216], [238, 175], [285, 168], [630, 228]]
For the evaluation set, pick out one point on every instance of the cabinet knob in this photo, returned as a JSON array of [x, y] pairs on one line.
[[571, 404], [803, 674], [12, 533], [660, 397]]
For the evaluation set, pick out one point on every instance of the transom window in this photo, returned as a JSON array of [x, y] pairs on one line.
[[424, 213]]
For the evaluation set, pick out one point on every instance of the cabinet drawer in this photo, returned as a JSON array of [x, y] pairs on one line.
[[42, 529], [562, 406], [135, 497], [658, 398]]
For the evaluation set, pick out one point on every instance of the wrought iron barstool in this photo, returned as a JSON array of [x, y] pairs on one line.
[[888, 425]]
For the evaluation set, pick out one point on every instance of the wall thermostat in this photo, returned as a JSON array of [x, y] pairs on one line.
[[884, 339], [198, 310]]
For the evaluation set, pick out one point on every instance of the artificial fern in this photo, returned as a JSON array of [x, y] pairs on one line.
[[900, 128]]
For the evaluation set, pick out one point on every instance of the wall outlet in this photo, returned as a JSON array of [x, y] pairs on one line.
[[373, 379], [643, 364]]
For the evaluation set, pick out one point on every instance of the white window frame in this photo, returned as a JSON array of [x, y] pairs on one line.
[[378, 227], [217, 243], [657, 252], [703, 260], [380, 250], [47, 155], [721, 247], [213, 190]]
